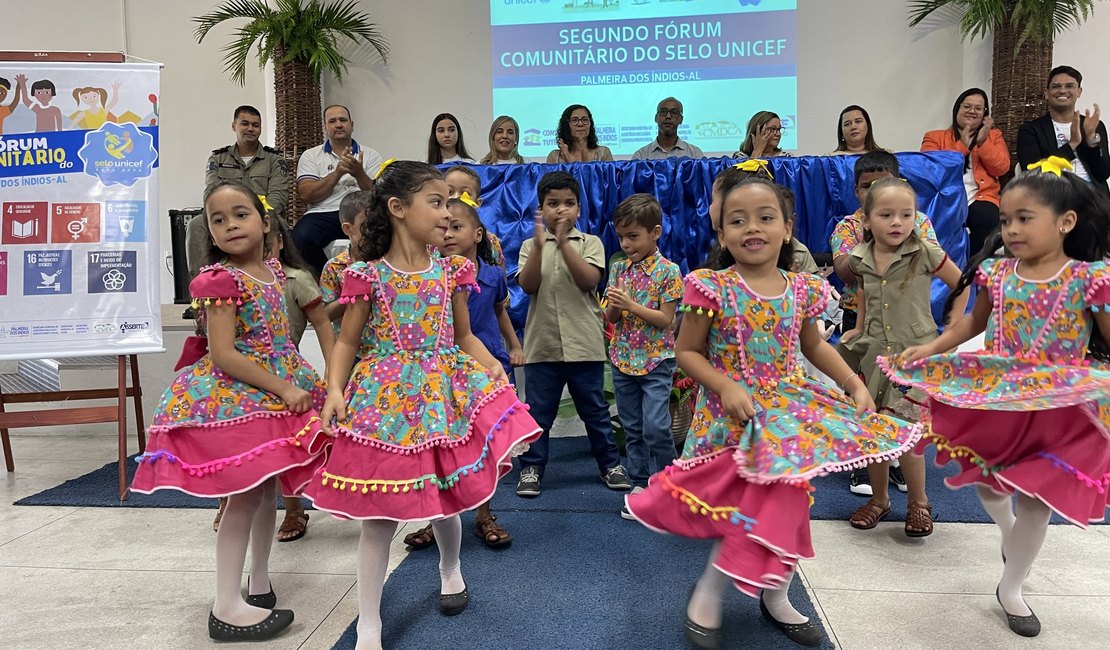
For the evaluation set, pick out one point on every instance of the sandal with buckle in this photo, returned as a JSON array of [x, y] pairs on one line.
[[278, 620], [487, 527], [919, 519], [421, 539], [295, 522], [868, 515], [219, 515]]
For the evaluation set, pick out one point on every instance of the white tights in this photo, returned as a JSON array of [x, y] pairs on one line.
[[704, 607], [1023, 535], [248, 520], [373, 560]]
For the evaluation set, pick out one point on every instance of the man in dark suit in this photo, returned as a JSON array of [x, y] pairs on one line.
[[1063, 132]]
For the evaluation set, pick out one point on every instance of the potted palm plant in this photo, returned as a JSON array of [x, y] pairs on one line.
[[1023, 32], [303, 39]]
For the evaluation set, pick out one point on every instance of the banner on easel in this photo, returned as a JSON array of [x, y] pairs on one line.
[[78, 205]]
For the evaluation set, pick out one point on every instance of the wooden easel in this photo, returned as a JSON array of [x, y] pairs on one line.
[[81, 415]]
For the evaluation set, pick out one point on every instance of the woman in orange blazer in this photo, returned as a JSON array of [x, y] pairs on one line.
[[985, 159]]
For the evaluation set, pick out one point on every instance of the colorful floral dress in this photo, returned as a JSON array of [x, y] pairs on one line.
[[1027, 413], [214, 435], [749, 486], [427, 433]]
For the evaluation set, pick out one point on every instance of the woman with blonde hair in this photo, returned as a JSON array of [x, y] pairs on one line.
[[764, 133], [504, 136]]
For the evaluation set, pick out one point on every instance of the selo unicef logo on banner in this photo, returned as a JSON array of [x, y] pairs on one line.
[[118, 154]]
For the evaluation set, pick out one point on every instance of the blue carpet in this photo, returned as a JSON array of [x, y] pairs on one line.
[[570, 580], [570, 484], [100, 489]]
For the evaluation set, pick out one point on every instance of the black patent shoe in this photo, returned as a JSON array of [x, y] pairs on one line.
[[451, 604], [703, 638], [265, 601], [1022, 625], [807, 634], [278, 620]]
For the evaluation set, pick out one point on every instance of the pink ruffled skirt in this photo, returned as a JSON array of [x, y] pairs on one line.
[[223, 458], [763, 528], [1060, 456], [365, 478]]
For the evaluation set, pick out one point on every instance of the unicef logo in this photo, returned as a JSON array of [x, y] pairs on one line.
[[118, 146], [118, 154], [114, 280]]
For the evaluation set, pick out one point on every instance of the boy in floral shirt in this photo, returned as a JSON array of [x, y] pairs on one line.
[[352, 211], [644, 289]]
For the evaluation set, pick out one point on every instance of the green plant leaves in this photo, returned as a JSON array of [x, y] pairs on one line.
[[309, 31]]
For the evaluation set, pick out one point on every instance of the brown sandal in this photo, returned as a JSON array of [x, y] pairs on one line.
[[421, 539], [868, 515], [295, 522], [486, 528], [919, 519], [219, 514]]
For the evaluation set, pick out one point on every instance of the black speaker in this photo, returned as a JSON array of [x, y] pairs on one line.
[[179, 221]]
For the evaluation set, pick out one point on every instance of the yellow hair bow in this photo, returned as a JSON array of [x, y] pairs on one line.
[[265, 204], [1052, 165], [383, 166], [465, 198], [754, 165]]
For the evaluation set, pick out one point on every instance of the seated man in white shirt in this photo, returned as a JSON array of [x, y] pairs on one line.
[[325, 174], [668, 115]]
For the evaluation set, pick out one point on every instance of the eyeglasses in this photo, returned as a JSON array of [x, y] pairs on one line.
[[1067, 86], [776, 131], [674, 112], [581, 121], [968, 108]]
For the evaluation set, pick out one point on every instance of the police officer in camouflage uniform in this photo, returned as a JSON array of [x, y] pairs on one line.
[[263, 169]]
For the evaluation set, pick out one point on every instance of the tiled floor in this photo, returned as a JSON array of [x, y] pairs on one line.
[[143, 578]]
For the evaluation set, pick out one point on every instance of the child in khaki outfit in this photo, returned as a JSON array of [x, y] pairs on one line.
[[564, 344], [894, 270], [847, 234], [644, 289]]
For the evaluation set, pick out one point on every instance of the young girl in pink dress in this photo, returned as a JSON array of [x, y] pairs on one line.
[[1028, 415], [427, 421], [243, 413], [761, 428]]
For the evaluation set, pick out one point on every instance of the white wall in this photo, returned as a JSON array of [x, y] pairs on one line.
[[1087, 49], [849, 52]]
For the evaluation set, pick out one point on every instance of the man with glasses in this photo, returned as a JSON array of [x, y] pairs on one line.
[[668, 115], [1064, 132]]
